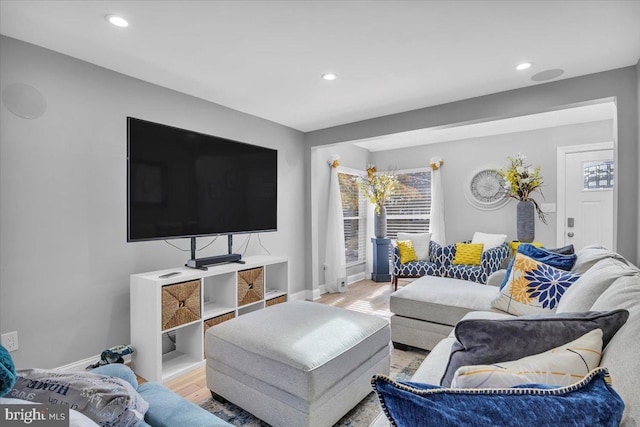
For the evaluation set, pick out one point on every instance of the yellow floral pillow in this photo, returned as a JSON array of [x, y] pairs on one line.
[[468, 253], [407, 252], [533, 287]]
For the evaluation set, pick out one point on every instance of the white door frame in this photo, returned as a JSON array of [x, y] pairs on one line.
[[561, 162]]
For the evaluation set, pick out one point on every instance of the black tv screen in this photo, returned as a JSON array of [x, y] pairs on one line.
[[187, 184]]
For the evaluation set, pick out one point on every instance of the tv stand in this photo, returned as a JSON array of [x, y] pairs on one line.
[[186, 304], [203, 263]]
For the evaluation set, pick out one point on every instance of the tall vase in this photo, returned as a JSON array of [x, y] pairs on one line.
[[526, 225], [380, 223]]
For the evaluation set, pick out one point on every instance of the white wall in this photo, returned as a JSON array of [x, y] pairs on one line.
[[352, 157], [465, 156], [64, 259]]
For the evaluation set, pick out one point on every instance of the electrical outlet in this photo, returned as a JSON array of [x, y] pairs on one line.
[[342, 284], [10, 341]]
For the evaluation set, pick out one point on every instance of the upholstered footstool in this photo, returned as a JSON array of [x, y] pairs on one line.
[[298, 363]]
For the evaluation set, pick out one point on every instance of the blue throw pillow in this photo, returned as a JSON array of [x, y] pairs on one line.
[[7, 372], [546, 256], [590, 402]]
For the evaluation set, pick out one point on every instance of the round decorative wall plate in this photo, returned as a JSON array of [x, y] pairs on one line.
[[484, 189]]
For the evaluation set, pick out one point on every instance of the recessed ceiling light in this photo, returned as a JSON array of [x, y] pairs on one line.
[[118, 21], [329, 76], [524, 66]]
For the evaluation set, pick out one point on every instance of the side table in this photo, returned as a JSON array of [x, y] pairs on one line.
[[380, 260]]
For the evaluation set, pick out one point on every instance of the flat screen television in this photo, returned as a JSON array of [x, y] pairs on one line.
[[183, 184]]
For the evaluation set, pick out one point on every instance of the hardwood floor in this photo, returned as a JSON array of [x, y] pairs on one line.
[[365, 296]]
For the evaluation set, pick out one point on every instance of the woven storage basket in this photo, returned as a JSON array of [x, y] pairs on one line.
[[180, 304], [250, 285], [276, 300], [217, 320]]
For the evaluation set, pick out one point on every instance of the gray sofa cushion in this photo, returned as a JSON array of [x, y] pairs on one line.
[[483, 342], [590, 255], [585, 291], [441, 300]]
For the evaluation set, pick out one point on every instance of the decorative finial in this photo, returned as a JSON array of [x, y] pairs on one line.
[[436, 162]]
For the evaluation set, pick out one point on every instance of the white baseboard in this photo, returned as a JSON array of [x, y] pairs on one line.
[[81, 365], [356, 277], [322, 289], [298, 296]]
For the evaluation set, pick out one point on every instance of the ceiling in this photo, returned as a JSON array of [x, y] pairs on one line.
[[265, 58]]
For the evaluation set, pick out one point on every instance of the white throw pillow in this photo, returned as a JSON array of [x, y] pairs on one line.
[[420, 243], [489, 241], [560, 366], [533, 287]]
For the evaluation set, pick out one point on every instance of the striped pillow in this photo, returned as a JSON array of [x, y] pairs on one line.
[[560, 366]]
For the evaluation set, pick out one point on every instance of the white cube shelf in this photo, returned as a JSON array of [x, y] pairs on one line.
[[218, 296]]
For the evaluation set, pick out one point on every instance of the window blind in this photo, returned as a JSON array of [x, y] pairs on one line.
[[409, 208]]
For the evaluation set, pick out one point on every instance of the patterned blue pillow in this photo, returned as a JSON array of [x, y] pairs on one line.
[[554, 259], [590, 402]]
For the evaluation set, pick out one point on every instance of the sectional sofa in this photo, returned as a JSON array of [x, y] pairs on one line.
[[427, 311]]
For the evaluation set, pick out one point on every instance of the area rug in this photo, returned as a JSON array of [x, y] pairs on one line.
[[403, 365]]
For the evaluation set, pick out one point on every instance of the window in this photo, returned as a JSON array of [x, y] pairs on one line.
[[354, 212], [598, 175], [409, 209]]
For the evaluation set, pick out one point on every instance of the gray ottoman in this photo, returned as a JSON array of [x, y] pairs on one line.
[[298, 363]]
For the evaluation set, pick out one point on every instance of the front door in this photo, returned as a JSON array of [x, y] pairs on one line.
[[588, 196]]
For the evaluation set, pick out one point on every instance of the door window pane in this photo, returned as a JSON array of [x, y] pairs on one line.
[[598, 175]]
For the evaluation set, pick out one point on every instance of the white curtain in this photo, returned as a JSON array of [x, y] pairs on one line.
[[371, 212], [334, 258], [438, 232]]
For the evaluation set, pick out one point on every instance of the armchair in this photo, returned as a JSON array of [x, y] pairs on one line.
[[490, 262], [416, 268]]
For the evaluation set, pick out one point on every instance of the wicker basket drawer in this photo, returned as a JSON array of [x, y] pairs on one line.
[[217, 320], [250, 286], [180, 304], [276, 300]]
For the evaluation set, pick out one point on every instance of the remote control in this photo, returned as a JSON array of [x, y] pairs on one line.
[[165, 276]]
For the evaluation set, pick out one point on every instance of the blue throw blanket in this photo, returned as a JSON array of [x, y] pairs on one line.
[[7, 372]]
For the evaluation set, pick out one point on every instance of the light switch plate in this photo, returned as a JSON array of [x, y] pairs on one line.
[[548, 207]]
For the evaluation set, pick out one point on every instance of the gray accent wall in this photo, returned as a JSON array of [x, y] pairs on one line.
[[620, 84], [64, 259], [465, 157]]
